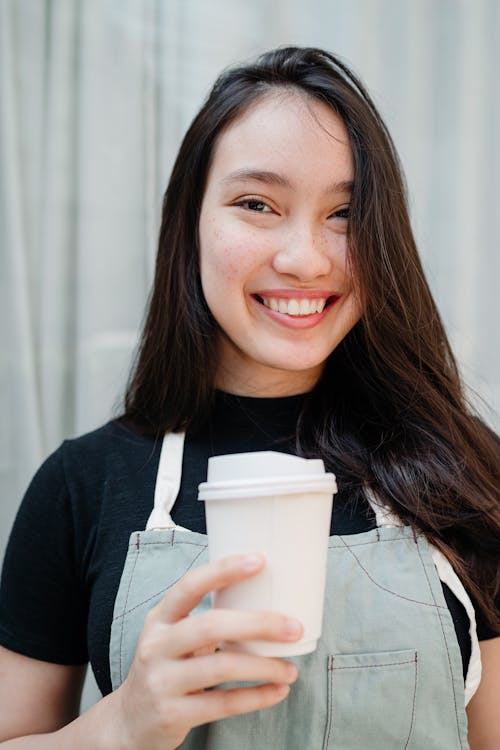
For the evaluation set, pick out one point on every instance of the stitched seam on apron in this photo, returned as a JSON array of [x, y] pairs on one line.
[[330, 703], [330, 546], [124, 608], [414, 700], [434, 604], [162, 591], [445, 643], [374, 666], [363, 544], [162, 543]]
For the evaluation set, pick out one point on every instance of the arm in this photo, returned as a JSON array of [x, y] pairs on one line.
[[36, 696], [483, 711], [164, 694]]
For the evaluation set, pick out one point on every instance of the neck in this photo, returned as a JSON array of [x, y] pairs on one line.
[[261, 381]]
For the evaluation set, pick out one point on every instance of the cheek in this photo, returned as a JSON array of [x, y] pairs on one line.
[[226, 255], [223, 264]]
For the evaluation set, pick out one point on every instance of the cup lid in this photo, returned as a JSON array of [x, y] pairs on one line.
[[240, 466], [295, 484], [262, 473]]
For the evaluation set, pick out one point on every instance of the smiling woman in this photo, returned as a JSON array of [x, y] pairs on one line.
[[273, 245], [289, 312]]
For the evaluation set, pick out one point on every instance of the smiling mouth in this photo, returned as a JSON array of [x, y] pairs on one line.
[[297, 308]]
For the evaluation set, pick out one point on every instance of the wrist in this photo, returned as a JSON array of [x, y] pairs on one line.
[[99, 728]]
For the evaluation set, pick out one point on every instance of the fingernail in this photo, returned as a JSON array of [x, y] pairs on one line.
[[293, 627], [282, 690], [252, 562]]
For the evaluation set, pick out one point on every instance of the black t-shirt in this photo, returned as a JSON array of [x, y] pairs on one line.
[[67, 549]]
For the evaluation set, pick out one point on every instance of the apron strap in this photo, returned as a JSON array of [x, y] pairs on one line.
[[168, 481], [383, 516]]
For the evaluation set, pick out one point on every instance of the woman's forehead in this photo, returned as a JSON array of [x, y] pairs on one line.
[[286, 134]]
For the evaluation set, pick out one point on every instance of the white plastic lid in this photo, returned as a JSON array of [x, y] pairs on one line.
[[240, 475], [242, 466]]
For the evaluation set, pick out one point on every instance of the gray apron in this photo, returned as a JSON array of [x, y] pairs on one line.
[[387, 673]]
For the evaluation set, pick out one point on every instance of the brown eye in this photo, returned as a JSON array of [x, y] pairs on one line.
[[342, 213], [252, 204]]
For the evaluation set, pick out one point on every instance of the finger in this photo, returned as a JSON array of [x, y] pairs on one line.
[[219, 704], [209, 628], [188, 592], [207, 671]]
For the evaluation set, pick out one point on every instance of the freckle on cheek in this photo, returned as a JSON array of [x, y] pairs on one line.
[[230, 262]]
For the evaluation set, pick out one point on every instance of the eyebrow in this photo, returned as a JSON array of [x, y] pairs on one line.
[[273, 178]]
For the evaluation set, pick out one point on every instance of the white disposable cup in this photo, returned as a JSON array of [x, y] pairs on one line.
[[278, 505]]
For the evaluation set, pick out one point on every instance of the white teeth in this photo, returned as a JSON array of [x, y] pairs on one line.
[[295, 307], [304, 307]]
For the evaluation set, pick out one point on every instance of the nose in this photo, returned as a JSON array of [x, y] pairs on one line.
[[304, 254]]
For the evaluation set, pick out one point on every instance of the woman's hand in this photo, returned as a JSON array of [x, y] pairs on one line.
[[163, 696]]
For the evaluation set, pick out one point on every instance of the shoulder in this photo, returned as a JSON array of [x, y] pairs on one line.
[[88, 465], [109, 451]]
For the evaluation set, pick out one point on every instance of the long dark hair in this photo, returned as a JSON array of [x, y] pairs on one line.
[[389, 411]]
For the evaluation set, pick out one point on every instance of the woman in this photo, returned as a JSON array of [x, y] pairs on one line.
[[289, 312]]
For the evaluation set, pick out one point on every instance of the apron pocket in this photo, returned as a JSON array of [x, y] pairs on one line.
[[361, 689]]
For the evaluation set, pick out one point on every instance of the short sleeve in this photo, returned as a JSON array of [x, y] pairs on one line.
[[484, 631], [43, 604]]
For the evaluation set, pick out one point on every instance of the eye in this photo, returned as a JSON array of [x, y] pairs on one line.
[[254, 204], [341, 213]]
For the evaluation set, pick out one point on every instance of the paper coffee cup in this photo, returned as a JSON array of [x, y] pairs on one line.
[[279, 505]]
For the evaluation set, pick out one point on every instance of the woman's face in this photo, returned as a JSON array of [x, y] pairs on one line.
[[273, 236]]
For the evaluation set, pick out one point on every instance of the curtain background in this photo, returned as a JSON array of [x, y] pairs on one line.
[[94, 98]]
